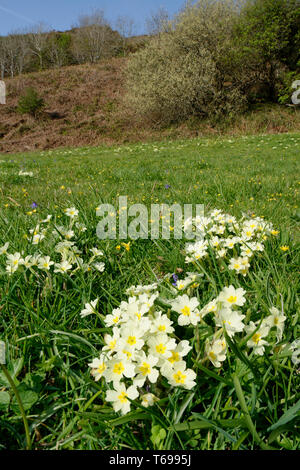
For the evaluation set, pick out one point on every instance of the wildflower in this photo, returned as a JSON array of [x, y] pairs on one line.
[[216, 352], [181, 350], [62, 267], [119, 397], [71, 212], [284, 248], [99, 266], [3, 249], [118, 368], [180, 376], [89, 308], [44, 263], [126, 246], [231, 320], [276, 319], [98, 367], [256, 342], [161, 324], [187, 309], [231, 296], [96, 252], [145, 369], [148, 399], [161, 346], [114, 318]]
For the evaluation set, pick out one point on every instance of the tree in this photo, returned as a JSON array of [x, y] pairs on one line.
[[158, 22], [269, 32], [30, 103], [93, 38], [193, 69], [38, 41], [125, 27]]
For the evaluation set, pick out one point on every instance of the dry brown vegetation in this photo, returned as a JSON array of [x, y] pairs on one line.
[[84, 106]]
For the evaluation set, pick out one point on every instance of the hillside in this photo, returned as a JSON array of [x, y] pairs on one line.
[[84, 106]]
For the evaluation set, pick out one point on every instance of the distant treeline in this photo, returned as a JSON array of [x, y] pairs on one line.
[[91, 40]]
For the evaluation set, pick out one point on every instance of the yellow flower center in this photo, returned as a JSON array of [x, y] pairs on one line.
[[123, 397], [256, 337], [232, 299], [175, 357], [116, 319], [212, 355], [131, 340], [145, 368], [112, 344], [179, 377], [186, 311], [162, 328], [101, 369], [160, 348], [118, 368]]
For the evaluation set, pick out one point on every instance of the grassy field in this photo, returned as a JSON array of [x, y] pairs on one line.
[[251, 401]]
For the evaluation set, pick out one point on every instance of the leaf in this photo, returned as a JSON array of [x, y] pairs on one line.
[[28, 397], [290, 414], [14, 368], [197, 424], [4, 400]]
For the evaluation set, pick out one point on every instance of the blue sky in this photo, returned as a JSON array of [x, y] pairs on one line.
[[62, 14]]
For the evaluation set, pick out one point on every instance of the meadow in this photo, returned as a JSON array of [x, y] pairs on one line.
[[56, 313]]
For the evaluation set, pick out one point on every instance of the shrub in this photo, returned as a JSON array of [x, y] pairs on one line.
[[30, 103], [195, 68]]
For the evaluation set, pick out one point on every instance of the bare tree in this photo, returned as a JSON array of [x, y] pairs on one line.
[[38, 39], [159, 22], [93, 38], [126, 27]]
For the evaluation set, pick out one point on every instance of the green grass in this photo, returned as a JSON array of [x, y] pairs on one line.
[[49, 345]]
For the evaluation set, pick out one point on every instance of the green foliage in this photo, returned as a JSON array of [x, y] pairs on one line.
[[285, 89], [192, 69], [30, 103]]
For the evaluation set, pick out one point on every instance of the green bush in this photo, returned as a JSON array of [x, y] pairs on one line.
[[30, 103], [195, 68]]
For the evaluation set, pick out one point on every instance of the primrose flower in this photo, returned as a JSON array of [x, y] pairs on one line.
[[161, 324], [119, 368], [44, 263], [231, 296], [98, 367], [62, 267], [231, 320], [3, 249], [14, 261], [179, 376], [187, 309], [181, 350], [216, 352], [71, 212], [145, 369], [148, 399], [119, 397], [89, 308], [256, 342], [276, 319], [161, 346]]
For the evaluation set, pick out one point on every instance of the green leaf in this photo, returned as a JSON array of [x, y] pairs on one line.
[[14, 368], [4, 400], [28, 397], [290, 414]]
